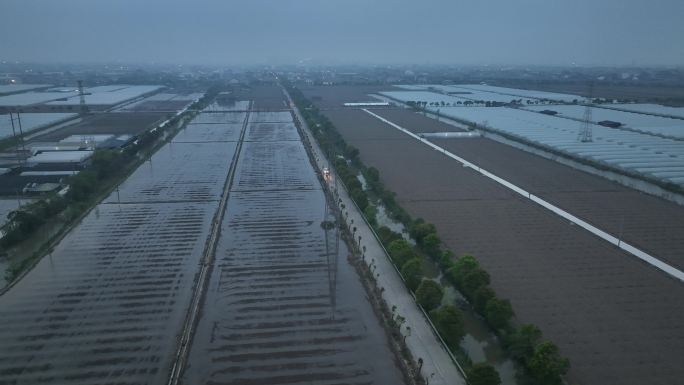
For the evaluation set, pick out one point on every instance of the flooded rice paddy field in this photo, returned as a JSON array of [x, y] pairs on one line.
[[209, 132], [179, 172], [618, 320], [219, 117], [278, 132], [274, 166], [271, 315], [107, 304], [271, 117], [223, 104]]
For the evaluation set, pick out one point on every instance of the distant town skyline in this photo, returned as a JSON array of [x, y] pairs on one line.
[[497, 32]]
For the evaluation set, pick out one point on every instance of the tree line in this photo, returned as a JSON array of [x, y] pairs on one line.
[[539, 358]]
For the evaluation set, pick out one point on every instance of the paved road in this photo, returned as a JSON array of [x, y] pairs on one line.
[[438, 368]]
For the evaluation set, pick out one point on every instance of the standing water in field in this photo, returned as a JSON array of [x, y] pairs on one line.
[[480, 343]]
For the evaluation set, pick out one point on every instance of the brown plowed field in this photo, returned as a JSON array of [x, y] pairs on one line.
[[118, 123], [265, 97], [617, 319], [652, 224], [336, 96], [416, 121]]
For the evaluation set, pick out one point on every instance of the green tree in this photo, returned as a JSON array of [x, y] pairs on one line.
[[481, 297], [431, 245], [462, 266], [373, 174], [352, 153], [449, 323], [105, 163], [400, 251], [20, 225], [360, 198], [483, 374], [473, 280], [498, 312], [420, 229], [81, 185], [412, 271], [521, 343], [546, 365], [446, 259], [387, 235], [429, 294], [371, 214]]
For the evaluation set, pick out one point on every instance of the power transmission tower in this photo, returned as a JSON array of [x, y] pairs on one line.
[[81, 94], [585, 133], [20, 137]]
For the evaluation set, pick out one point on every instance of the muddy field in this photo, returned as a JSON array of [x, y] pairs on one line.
[[417, 122], [119, 123], [264, 97], [271, 315], [219, 118], [160, 106], [106, 304], [336, 96], [652, 224], [618, 320], [205, 132], [645, 93]]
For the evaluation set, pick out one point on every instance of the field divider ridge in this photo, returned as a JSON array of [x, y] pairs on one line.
[[642, 255], [207, 264]]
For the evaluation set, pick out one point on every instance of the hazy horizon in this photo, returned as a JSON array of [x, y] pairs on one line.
[[212, 32]]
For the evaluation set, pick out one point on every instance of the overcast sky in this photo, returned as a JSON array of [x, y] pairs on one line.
[[557, 32]]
